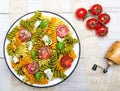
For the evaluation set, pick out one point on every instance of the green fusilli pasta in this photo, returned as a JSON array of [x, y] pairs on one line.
[[9, 50], [30, 23], [70, 40], [12, 34], [37, 38], [26, 24], [53, 60], [59, 74], [35, 17], [20, 71], [66, 50]]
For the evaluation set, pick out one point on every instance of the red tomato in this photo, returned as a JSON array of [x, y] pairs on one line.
[[66, 61], [43, 53], [96, 9], [102, 31], [104, 18], [81, 13], [33, 68], [24, 35], [100, 24], [92, 23], [62, 31]]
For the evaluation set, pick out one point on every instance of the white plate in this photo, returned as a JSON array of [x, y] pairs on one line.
[[76, 48]]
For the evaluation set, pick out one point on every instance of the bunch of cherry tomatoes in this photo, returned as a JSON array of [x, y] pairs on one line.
[[97, 22]]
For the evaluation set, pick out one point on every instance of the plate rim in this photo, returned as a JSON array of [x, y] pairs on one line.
[[75, 64]]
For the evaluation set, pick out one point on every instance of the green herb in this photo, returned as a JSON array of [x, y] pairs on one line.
[[44, 23], [33, 54], [60, 45], [37, 76]]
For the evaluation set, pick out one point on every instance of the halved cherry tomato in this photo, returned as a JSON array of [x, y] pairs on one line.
[[81, 13], [33, 68], [102, 31], [66, 61], [104, 18], [62, 31], [96, 9], [43, 53], [92, 23], [24, 35]]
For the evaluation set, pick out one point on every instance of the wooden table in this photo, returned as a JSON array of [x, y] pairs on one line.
[[93, 48]]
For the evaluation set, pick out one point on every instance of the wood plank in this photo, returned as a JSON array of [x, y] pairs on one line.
[[17, 9], [34, 5], [106, 3], [45, 5], [4, 6], [5, 24], [5, 76]]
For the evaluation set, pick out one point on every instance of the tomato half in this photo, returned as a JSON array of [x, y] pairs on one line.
[[24, 35], [92, 23], [104, 18], [81, 13], [66, 61], [62, 31], [44, 53], [96, 9], [33, 68], [102, 31]]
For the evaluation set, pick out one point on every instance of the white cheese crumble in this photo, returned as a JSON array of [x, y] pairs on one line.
[[47, 40], [37, 23], [15, 59], [30, 45], [60, 39], [48, 73]]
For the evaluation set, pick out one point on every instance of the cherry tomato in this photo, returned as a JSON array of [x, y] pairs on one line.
[[100, 24], [96, 9], [104, 18], [43, 53], [66, 61], [81, 13], [92, 23], [102, 31], [62, 31], [33, 68], [24, 35]]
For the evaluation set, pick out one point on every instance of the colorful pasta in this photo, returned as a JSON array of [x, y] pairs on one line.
[[59, 67], [72, 54], [69, 40], [9, 50], [12, 34], [59, 74], [41, 48]]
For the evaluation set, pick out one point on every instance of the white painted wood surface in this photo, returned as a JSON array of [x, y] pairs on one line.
[[93, 48]]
